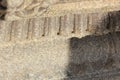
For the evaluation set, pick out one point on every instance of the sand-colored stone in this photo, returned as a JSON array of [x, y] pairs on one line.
[[61, 58], [48, 8], [59, 40]]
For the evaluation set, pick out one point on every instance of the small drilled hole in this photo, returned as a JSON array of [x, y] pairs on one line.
[[58, 33], [43, 35], [73, 32]]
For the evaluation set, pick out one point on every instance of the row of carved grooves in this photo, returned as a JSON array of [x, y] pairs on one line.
[[3, 9], [71, 24]]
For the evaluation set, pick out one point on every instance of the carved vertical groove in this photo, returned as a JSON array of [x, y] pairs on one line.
[[84, 24], [30, 29], [77, 25], [54, 26], [46, 26]]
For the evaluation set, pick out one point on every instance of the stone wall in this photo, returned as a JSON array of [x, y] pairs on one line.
[[63, 40]]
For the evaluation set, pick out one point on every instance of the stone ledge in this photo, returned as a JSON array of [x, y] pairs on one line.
[[70, 24]]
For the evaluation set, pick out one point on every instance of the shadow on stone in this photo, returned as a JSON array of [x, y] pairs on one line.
[[112, 21], [94, 57], [3, 9]]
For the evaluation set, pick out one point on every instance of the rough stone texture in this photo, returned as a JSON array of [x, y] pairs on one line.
[[59, 40], [36, 60], [88, 58], [94, 57], [24, 9], [71, 24]]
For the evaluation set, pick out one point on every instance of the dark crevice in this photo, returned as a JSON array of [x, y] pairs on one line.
[[3, 9], [44, 27], [74, 24], [60, 25], [91, 55], [108, 22]]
